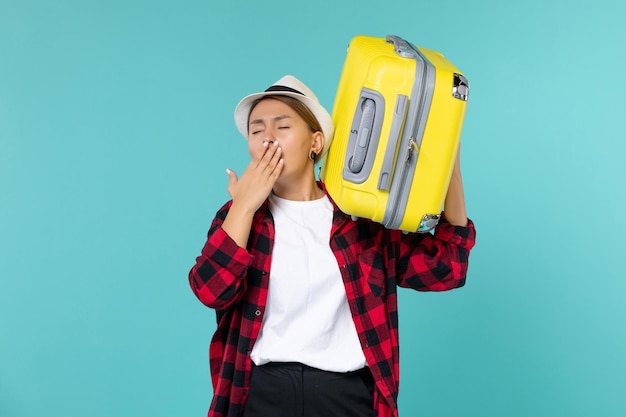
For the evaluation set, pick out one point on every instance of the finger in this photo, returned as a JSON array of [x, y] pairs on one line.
[[263, 154], [273, 169], [232, 177], [232, 181], [273, 172], [277, 169], [271, 156], [257, 156], [270, 151], [276, 156]]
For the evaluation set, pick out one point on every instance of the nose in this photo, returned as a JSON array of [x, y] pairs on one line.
[[269, 137]]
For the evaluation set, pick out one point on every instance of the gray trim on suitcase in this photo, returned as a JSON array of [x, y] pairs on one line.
[[386, 169], [419, 106]]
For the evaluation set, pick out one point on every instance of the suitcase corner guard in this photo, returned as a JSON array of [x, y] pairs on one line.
[[428, 223]]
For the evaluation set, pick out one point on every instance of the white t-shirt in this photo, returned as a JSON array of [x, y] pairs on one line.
[[307, 318]]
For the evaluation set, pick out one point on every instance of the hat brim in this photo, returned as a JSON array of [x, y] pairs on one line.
[[242, 111]]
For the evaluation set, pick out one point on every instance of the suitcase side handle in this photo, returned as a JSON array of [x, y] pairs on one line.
[[364, 136], [368, 110], [386, 169]]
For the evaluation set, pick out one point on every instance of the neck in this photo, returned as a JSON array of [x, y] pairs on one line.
[[300, 191]]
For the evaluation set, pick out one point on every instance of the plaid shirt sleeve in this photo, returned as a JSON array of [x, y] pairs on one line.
[[435, 262], [218, 277]]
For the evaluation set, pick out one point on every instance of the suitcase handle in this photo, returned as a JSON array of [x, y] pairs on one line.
[[364, 136], [355, 164], [402, 47]]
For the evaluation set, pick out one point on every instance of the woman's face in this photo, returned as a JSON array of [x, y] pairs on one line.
[[274, 121]]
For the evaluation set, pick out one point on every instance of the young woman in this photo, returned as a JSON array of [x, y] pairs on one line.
[[305, 296]]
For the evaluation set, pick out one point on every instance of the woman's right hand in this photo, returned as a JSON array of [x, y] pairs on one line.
[[257, 181], [251, 190]]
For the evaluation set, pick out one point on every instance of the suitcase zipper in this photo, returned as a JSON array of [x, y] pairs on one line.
[[403, 175], [409, 161]]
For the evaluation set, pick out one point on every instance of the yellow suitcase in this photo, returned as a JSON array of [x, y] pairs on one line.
[[398, 115]]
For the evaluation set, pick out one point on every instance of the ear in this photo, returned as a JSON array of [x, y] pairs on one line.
[[317, 144]]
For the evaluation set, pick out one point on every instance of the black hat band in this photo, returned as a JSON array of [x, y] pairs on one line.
[[283, 88]]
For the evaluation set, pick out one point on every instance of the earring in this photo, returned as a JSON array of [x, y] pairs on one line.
[[312, 156]]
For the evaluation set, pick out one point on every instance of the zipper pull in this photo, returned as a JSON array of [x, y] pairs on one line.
[[409, 152]]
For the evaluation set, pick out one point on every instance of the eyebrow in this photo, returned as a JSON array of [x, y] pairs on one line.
[[277, 119]]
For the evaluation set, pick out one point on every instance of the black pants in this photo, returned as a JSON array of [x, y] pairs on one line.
[[296, 390]]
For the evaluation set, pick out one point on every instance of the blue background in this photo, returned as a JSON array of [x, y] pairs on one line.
[[115, 132]]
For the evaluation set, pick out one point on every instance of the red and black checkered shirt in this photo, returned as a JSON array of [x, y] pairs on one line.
[[373, 262]]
